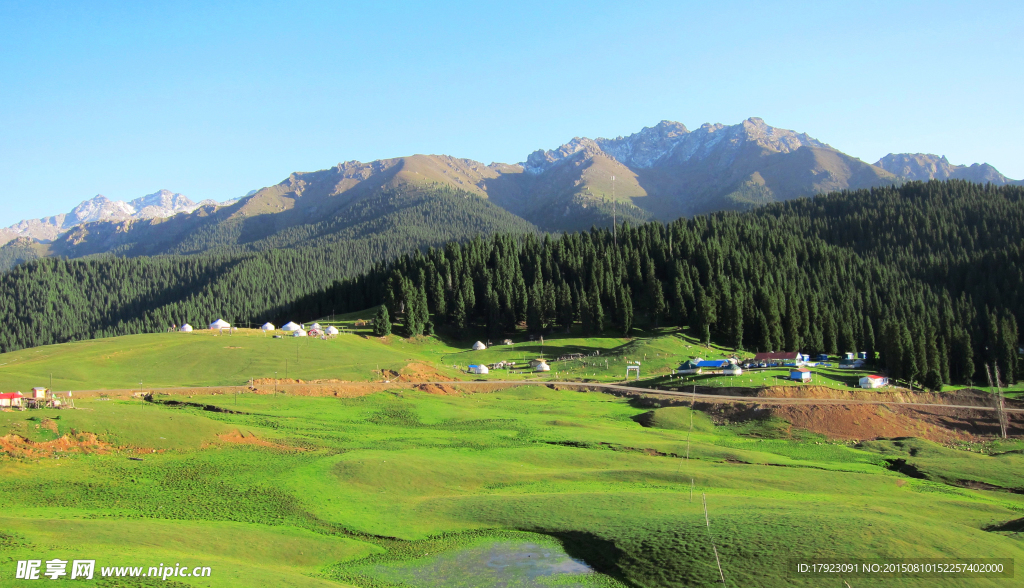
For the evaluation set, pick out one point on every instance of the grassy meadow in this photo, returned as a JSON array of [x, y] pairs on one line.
[[212, 358], [400, 488]]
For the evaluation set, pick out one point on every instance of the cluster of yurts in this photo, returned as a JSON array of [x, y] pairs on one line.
[[315, 330]]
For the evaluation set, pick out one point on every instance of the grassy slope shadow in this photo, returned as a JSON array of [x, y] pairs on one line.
[[601, 554]]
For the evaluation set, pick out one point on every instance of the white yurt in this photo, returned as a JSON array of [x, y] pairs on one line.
[[186, 328], [267, 327], [542, 367], [732, 370], [478, 346], [220, 324], [478, 369], [316, 327], [290, 326], [299, 333], [331, 330]]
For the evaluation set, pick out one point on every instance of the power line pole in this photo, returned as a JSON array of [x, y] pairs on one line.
[[704, 499]]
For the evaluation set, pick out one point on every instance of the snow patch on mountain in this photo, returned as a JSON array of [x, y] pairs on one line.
[[160, 204], [669, 140]]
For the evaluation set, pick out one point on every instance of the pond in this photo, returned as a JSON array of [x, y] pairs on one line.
[[502, 563]]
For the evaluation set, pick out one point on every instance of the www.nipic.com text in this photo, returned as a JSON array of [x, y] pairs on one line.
[[85, 569]]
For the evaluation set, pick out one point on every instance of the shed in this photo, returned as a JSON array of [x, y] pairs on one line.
[[688, 367], [10, 399], [873, 381], [478, 346], [821, 357], [186, 328], [331, 330], [268, 327], [39, 393], [290, 326], [478, 369], [800, 375], [299, 333], [732, 370], [542, 367], [219, 324], [778, 357], [851, 364]]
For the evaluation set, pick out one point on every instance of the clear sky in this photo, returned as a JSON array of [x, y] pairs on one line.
[[212, 99]]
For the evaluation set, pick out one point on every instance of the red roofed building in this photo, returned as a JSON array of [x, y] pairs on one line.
[[874, 381], [800, 374], [778, 357], [10, 399]]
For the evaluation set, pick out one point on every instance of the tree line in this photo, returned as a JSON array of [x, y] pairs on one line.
[[926, 277]]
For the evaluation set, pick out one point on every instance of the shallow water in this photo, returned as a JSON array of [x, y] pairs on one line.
[[502, 563]]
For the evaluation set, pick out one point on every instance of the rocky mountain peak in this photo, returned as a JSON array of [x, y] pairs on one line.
[[540, 160], [927, 166]]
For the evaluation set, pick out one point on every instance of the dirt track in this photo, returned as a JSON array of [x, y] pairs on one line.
[[841, 414]]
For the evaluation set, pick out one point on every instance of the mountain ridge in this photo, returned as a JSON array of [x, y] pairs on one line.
[[99, 208], [661, 172]]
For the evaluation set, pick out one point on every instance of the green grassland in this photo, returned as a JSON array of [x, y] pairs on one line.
[[210, 358], [394, 486]]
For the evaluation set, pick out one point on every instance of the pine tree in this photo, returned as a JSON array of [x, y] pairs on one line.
[[625, 310], [382, 322]]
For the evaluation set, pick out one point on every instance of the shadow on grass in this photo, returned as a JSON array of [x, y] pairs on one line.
[[1014, 526], [600, 554]]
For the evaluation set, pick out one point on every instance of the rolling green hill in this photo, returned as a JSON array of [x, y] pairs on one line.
[[406, 488]]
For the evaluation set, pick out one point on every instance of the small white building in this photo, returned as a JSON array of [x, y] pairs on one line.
[[332, 330], [186, 328], [800, 375], [874, 381], [219, 324], [290, 326], [478, 369], [299, 333], [268, 327], [479, 346]]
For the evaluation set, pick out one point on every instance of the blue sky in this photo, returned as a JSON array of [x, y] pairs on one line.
[[215, 99]]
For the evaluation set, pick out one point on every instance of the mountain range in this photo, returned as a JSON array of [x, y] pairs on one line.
[[160, 204], [661, 172]]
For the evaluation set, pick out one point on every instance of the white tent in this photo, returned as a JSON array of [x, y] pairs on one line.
[[478, 346], [299, 333], [478, 369], [290, 326], [332, 331], [186, 328], [316, 327], [220, 324], [732, 370], [267, 327], [542, 367]]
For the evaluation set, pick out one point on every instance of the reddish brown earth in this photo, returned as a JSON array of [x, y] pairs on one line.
[[19, 447]]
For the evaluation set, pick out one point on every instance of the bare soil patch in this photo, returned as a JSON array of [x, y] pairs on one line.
[[19, 447], [240, 438]]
